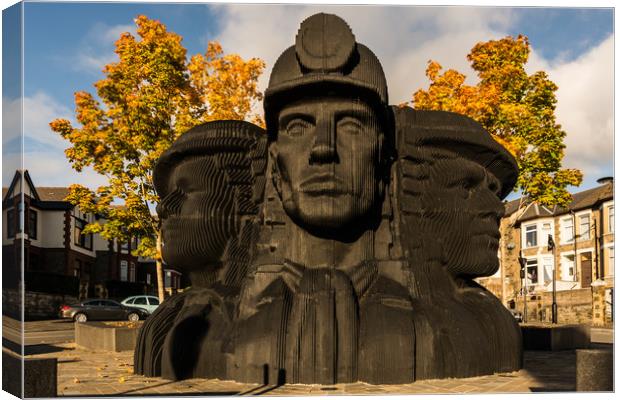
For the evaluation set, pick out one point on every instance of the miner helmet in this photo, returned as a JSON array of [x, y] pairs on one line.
[[325, 59]]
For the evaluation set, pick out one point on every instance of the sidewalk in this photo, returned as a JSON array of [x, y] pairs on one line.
[[84, 372]]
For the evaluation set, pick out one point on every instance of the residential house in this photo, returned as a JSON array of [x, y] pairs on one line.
[[582, 257], [56, 250]]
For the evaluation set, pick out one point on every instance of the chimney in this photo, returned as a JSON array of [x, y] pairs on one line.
[[605, 180]]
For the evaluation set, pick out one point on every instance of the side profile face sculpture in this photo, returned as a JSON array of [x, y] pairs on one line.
[[205, 184], [191, 204], [337, 245]]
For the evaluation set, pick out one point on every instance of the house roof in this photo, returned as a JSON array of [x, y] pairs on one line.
[[53, 193], [581, 200], [511, 207]]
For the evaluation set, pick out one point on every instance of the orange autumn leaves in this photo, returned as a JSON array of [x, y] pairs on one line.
[[147, 98], [516, 108]]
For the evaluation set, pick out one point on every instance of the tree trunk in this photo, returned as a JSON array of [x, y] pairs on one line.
[[160, 270]]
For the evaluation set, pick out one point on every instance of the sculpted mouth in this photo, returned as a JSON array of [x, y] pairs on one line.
[[323, 184]]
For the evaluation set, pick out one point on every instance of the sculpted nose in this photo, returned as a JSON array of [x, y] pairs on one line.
[[324, 147]]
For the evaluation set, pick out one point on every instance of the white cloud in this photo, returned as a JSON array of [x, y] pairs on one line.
[[585, 106], [51, 168], [43, 149], [39, 111]]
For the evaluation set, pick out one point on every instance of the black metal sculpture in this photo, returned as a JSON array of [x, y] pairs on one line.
[[346, 251]]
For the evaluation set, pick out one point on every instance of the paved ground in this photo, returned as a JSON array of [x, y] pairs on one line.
[[83, 372]]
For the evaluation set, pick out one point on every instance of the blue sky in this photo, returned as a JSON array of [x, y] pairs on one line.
[[67, 44]]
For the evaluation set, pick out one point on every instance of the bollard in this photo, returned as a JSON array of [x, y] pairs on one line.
[[595, 370]]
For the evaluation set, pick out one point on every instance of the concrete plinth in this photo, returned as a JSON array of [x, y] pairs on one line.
[[555, 337], [40, 375], [100, 336], [594, 370]]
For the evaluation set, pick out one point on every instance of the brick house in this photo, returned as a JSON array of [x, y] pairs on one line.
[[55, 248], [583, 260]]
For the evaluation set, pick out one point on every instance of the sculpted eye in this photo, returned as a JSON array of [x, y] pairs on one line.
[[349, 125], [297, 127]]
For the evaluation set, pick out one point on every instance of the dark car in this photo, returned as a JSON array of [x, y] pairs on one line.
[[101, 309]]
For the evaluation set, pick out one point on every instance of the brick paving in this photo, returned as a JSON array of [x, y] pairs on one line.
[[84, 372]]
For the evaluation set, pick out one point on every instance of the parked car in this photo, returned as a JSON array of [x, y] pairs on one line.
[[148, 303], [101, 309], [517, 315]]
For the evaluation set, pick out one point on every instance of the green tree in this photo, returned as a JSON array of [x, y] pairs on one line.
[[516, 108], [150, 96]]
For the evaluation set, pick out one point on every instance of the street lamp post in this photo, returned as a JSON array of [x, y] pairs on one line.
[[554, 305], [523, 275]]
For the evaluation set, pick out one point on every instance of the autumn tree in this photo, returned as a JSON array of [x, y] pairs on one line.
[[150, 96], [516, 108]]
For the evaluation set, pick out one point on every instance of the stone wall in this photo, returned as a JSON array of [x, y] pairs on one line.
[[574, 306], [37, 305]]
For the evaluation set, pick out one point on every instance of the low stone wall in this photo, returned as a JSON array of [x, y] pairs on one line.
[[102, 336], [574, 306], [37, 305]]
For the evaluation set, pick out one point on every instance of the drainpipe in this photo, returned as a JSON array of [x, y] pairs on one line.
[[576, 278], [599, 248], [596, 271]]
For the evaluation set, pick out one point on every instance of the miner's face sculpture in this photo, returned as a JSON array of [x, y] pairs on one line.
[[197, 214], [464, 210], [327, 156]]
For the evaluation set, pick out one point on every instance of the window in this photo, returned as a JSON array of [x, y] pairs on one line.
[[153, 301], [531, 266], [610, 214], [10, 223], [32, 224], [140, 301], [568, 267], [584, 227], [132, 272], [567, 230], [531, 236], [123, 274], [148, 279], [130, 301], [80, 239]]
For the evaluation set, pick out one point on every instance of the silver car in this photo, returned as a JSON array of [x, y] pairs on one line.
[[145, 302]]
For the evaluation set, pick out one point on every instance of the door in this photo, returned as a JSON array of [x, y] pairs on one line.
[[586, 269], [113, 310]]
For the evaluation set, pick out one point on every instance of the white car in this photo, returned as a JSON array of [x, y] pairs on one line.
[[148, 303]]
